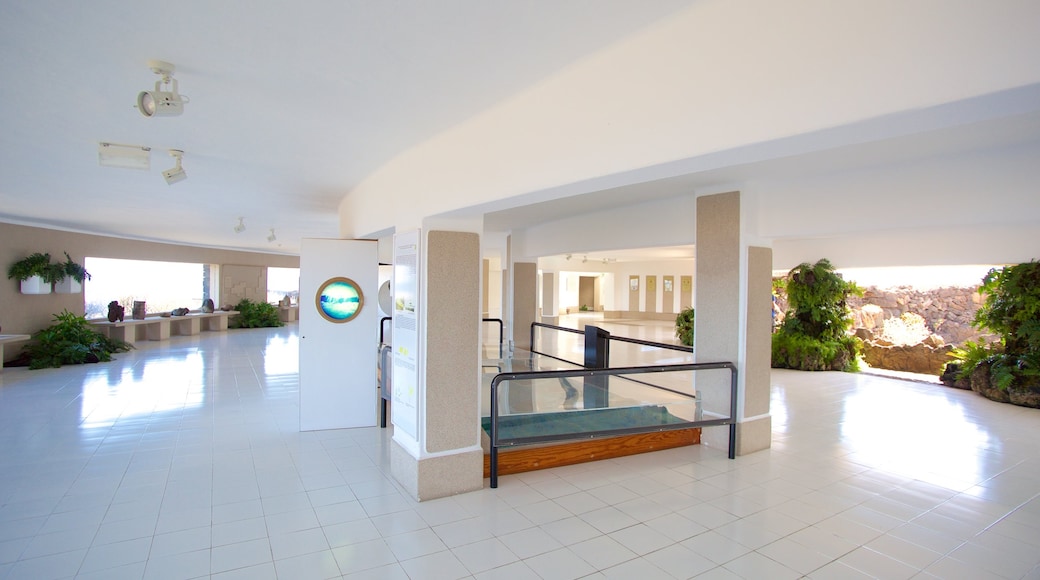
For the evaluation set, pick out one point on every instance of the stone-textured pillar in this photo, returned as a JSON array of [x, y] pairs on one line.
[[525, 302], [451, 460], [729, 322], [755, 431], [550, 298]]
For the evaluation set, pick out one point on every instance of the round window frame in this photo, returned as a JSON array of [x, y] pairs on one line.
[[339, 280]]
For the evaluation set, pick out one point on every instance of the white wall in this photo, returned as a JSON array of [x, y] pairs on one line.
[[668, 222], [614, 282], [978, 207], [716, 76]]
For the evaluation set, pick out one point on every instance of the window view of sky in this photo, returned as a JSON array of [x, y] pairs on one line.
[[162, 285]]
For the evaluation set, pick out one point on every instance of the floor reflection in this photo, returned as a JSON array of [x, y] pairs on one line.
[[914, 433], [152, 385]]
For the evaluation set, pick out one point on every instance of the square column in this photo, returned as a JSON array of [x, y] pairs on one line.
[[525, 302], [733, 323], [445, 457]]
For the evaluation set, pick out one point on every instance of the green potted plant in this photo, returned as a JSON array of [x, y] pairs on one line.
[[684, 326], [35, 273], [73, 275]]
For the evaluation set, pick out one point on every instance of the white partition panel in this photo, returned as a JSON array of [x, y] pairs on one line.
[[338, 358]]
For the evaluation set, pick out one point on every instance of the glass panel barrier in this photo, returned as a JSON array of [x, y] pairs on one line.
[[529, 407]]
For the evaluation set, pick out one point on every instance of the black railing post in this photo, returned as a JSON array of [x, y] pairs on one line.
[[597, 356], [493, 434]]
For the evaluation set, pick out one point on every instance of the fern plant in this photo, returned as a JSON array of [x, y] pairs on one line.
[[74, 270], [814, 333], [70, 340], [255, 315], [37, 264], [1012, 310]]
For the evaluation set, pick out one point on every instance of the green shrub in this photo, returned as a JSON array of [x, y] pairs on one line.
[[684, 326], [1012, 310], [255, 315], [70, 340], [800, 352], [814, 333]]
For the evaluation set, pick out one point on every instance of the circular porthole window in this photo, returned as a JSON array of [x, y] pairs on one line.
[[339, 300]]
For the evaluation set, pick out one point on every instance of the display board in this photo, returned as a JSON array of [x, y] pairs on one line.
[[405, 397]]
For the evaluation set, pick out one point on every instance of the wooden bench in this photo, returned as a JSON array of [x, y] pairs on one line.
[[6, 338], [161, 327]]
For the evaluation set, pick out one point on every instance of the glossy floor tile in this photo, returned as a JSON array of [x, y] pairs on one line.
[[184, 459]]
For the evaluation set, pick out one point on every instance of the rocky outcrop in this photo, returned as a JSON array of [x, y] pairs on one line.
[[918, 358], [947, 311], [1023, 395]]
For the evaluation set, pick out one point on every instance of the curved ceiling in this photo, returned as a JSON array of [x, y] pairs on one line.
[[292, 103], [303, 113]]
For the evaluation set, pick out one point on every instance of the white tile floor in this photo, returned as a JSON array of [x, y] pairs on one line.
[[183, 459]]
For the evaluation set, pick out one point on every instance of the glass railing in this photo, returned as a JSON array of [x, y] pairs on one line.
[[542, 406]]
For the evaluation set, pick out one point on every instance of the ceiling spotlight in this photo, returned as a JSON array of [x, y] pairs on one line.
[[271, 236], [159, 102], [568, 256], [177, 173], [241, 227], [585, 259]]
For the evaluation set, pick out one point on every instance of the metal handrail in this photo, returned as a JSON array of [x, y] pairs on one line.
[[502, 377], [552, 327], [679, 347], [501, 333]]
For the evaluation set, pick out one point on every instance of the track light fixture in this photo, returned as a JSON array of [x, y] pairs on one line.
[[241, 227], [159, 102], [177, 173], [271, 237]]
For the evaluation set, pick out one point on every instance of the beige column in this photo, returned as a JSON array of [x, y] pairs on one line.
[[451, 460], [550, 298], [651, 294], [485, 283], [525, 302], [729, 322], [668, 295]]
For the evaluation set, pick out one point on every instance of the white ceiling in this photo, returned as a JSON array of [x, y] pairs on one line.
[[294, 104]]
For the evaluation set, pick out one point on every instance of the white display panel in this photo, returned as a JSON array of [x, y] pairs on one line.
[[405, 398]]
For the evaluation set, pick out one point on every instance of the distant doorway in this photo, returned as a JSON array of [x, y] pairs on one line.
[[587, 293]]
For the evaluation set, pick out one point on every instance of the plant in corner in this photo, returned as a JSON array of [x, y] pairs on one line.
[[255, 315], [70, 340], [684, 326], [814, 333], [1008, 371]]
